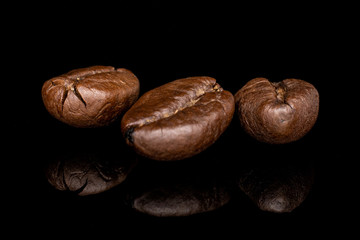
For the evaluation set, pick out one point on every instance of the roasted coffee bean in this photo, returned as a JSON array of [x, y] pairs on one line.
[[277, 113], [90, 97], [179, 119]]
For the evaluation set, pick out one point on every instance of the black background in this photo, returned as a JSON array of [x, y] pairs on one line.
[[161, 42]]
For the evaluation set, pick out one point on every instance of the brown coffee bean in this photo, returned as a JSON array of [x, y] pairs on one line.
[[179, 119], [90, 97], [279, 112]]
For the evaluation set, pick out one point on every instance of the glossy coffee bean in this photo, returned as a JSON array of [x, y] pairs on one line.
[[179, 119]]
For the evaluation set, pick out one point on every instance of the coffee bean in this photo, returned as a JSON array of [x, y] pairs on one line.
[[90, 97], [277, 113], [179, 119]]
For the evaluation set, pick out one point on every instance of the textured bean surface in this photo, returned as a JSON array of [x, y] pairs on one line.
[[90, 97], [179, 119], [279, 112]]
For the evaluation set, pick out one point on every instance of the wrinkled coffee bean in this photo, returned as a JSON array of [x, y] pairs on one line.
[[179, 119], [90, 97], [278, 186], [86, 173], [277, 113]]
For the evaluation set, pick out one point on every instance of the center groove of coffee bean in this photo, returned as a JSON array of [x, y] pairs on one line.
[[188, 104], [280, 90], [198, 95]]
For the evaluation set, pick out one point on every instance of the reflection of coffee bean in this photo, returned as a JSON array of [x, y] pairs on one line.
[[90, 97], [179, 119], [181, 199], [85, 173], [178, 190], [279, 187]]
